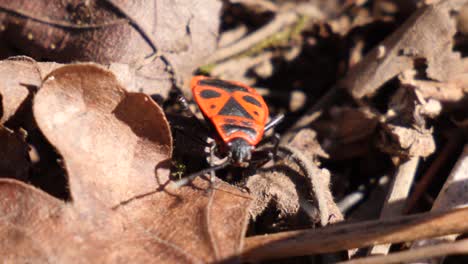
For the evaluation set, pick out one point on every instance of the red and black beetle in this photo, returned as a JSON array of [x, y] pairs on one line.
[[237, 113]]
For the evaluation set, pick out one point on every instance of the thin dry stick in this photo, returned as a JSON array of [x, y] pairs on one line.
[[280, 21], [351, 200], [452, 195], [459, 247], [358, 235], [396, 197], [452, 144]]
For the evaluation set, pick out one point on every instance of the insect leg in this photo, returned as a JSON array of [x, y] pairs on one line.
[[184, 103], [275, 140], [185, 107], [191, 177], [212, 157]]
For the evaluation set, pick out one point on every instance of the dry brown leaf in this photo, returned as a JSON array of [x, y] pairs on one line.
[[14, 159], [116, 31], [427, 34], [207, 224], [115, 146], [102, 131], [38, 228]]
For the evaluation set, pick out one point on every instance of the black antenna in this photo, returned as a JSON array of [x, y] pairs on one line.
[[273, 122], [191, 177]]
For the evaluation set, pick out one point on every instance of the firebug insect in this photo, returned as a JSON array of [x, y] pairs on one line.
[[237, 113]]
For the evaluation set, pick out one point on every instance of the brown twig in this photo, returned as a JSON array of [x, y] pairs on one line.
[[452, 144], [445, 249], [396, 197], [347, 236]]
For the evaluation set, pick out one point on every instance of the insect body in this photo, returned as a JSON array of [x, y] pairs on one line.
[[236, 111]]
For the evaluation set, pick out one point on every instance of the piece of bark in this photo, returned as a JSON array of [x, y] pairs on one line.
[[407, 142]]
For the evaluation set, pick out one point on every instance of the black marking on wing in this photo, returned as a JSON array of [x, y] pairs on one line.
[[208, 94], [233, 108], [230, 129], [227, 86], [246, 123], [251, 100], [230, 121]]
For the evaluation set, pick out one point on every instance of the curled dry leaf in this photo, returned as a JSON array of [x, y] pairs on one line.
[[295, 187], [115, 146], [184, 32], [427, 34], [280, 189]]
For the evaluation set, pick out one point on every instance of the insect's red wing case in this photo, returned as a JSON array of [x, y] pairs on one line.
[[249, 112]]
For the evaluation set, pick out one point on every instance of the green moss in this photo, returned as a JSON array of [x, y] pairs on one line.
[[179, 170]]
